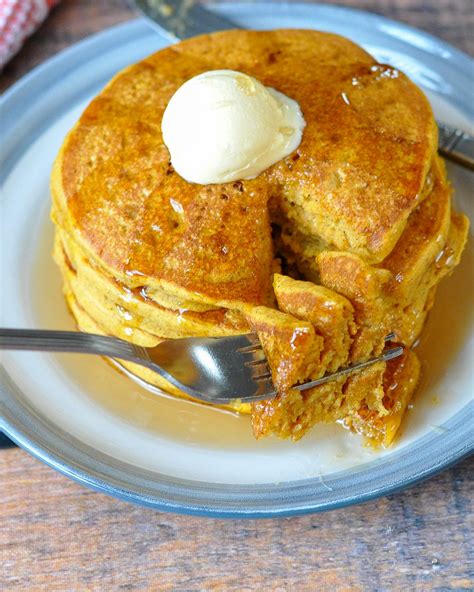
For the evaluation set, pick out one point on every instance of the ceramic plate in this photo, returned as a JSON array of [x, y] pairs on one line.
[[82, 417]]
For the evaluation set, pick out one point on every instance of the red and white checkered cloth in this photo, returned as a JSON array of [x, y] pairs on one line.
[[18, 19]]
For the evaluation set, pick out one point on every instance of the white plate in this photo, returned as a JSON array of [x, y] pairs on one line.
[[83, 417]]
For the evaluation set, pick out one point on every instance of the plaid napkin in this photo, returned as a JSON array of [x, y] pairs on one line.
[[18, 19]]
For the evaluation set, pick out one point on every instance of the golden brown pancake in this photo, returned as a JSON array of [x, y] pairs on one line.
[[360, 212], [359, 170]]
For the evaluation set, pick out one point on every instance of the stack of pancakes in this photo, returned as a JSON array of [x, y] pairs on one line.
[[322, 255]]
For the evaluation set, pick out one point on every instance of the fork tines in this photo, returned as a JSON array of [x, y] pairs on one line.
[[261, 370]]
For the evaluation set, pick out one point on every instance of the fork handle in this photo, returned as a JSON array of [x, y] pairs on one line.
[[67, 341]]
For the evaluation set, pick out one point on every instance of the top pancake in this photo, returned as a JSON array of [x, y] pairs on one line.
[[358, 173]]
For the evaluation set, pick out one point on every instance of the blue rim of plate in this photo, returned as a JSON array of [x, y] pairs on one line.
[[431, 453]]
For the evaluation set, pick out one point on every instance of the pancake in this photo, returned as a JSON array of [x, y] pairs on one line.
[[294, 412], [331, 315], [359, 170], [359, 215]]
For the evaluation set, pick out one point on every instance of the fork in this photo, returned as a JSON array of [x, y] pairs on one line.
[[213, 370]]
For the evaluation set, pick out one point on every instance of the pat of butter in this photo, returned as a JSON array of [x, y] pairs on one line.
[[223, 126]]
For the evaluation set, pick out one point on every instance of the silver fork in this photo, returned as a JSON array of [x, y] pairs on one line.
[[214, 370]]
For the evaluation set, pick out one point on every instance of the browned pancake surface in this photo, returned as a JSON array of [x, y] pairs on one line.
[[359, 169]]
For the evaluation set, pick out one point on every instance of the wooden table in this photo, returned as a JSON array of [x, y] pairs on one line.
[[56, 535]]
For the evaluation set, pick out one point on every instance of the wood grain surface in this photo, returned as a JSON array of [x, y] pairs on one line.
[[56, 535]]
